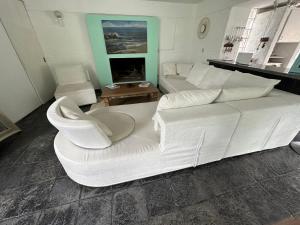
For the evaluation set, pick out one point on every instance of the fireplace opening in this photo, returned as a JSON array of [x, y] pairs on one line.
[[127, 70]]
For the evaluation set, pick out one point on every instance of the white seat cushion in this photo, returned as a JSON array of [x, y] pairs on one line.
[[175, 84], [259, 119]]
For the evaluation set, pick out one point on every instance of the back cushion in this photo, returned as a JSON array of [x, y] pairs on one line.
[[84, 132], [240, 93], [214, 78], [238, 79], [169, 69], [70, 114], [197, 73], [187, 98], [184, 69], [70, 74]]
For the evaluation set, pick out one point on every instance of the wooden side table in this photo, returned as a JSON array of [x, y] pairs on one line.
[[150, 93]]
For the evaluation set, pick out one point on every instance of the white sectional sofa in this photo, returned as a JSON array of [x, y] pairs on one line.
[[185, 136]]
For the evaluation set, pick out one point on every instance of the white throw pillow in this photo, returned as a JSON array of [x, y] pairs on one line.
[[184, 69], [197, 73], [238, 79], [169, 69], [187, 98], [70, 114], [214, 78], [240, 93]]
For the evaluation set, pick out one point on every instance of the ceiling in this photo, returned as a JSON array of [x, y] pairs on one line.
[[178, 1]]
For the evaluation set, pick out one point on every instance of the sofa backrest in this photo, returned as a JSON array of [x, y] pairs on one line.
[[70, 74], [83, 132], [181, 69]]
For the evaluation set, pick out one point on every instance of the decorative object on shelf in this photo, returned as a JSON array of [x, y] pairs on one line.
[[228, 46], [293, 3], [263, 42], [235, 36], [144, 84], [7, 128], [203, 28], [112, 86]]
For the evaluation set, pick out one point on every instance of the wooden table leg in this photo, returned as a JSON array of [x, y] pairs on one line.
[[154, 96], [106, 101]]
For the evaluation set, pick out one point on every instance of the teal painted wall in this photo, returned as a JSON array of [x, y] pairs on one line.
[[295, 70], [101, 57]]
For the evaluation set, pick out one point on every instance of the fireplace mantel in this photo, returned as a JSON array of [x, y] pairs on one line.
[[102, 58]]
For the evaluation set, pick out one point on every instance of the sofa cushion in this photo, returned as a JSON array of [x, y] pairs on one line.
[[214, 78], [240, 93], [169, 69], [184, 69], [187, 98], [238, 79], [175, 84], [197, 73], [71, 114]]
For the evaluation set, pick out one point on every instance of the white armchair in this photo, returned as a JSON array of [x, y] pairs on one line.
[[74, 82]]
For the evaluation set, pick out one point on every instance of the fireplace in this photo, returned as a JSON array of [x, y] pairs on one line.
[[126, 70]]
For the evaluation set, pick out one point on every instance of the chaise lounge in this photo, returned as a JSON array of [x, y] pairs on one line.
[[184, 129]]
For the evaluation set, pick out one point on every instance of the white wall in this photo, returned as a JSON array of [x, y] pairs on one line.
[[26, 44], [70, 44], [218, 12], [17, 95]]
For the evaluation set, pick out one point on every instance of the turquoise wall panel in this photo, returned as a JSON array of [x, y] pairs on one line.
[[295, 70], [101, 57]]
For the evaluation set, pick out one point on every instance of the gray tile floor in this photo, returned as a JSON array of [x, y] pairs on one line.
[[260, 188]]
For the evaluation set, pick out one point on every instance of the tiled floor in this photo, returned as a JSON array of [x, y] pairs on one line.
[[261, 188]]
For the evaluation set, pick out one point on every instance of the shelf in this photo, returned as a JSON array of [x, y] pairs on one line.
[[276, 57], [274, 64]]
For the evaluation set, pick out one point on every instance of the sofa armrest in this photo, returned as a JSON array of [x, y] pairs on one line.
[[194, 131]]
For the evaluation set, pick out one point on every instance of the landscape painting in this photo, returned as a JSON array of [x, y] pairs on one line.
[[124, 37]]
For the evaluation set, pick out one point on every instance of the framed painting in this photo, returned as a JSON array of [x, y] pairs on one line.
[[125, 36]]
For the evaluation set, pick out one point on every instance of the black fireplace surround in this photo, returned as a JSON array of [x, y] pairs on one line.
[[127, 70]]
